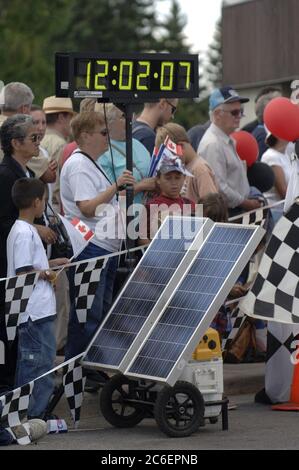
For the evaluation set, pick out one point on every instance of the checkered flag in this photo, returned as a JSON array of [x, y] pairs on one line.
[[256, 217], [74, 382], [14, 408], [236, 319], [275, 292], [87, 276], [17, 294]]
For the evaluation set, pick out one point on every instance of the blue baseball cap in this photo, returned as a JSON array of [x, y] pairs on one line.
[[225, 95]]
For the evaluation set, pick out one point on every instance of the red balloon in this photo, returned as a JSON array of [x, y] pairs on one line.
[[281, 117], [247, 147]]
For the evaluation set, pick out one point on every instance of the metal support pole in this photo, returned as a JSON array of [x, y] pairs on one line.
[[129, 155], [128, 109]]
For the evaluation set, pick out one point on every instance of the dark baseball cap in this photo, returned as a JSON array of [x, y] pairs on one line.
[[225, 95]]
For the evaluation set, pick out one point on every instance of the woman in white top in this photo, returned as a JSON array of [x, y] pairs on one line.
[[88, 194], [276, 157]]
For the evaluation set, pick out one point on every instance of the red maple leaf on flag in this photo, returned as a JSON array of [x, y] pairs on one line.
[[81, 228]]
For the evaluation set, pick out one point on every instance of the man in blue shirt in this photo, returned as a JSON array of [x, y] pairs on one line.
[[153, 115]]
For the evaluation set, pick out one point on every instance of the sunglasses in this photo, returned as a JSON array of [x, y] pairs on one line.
[[35, 138], [173, 108], [235, 112]]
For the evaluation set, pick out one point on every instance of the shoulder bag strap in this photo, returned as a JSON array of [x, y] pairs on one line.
[[125, 156], [97, 166]]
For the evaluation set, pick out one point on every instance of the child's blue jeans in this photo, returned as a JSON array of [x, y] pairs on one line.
[[36, 355], [79, 334]]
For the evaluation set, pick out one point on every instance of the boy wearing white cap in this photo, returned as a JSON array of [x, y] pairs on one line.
[[170, 179]]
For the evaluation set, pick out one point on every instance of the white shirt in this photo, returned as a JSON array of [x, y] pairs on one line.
[[219, 150], [25, 249], [293, 186], [80, 180], [274, 158]]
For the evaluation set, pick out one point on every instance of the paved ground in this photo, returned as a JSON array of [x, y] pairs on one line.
[[243, 378], [251, 426]]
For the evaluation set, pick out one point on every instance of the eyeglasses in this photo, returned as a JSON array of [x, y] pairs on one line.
[[235, 112], [173, 108], [35, 138]]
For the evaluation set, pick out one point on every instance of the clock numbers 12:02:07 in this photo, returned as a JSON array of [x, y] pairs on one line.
[[122, 75]]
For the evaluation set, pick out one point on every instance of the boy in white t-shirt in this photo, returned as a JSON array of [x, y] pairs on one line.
[[25, 253]]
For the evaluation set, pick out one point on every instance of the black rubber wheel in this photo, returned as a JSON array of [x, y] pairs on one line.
[[179, 410], [113, 403]]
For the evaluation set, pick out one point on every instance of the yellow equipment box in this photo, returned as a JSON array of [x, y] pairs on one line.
[[209, 347]]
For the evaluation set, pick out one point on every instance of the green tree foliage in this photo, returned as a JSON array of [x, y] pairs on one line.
[[214, 58], [33, 30], [29, 41], [191, 112], [106, 25], [173, 38]]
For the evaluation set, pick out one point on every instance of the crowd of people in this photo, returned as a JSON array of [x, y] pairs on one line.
[[75, 163]]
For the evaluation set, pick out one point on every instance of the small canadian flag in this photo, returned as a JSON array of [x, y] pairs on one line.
[[84, 230], [174, 148]]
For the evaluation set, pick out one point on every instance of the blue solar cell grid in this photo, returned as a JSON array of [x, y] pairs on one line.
[[191, 302], [139, 297]]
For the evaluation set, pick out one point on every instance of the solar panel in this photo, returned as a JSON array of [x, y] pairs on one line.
[[145, 293], [189, 312]]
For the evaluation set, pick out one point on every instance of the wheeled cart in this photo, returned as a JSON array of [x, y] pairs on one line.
[[196, 398]]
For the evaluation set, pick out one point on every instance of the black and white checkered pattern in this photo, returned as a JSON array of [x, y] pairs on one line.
[[275, 292], [236, 318], [74, 382], [86, 281], [18, 291], [14, 408], [257, 217]]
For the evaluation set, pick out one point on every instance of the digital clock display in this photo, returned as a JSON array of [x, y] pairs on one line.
[[134, 77]]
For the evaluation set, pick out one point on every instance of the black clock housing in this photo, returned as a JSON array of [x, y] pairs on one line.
[[123, 77]]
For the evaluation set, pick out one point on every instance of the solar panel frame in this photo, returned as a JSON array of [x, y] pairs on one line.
[[190, 253], [205, 321]]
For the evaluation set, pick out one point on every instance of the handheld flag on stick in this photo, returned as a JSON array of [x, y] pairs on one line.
[[168, 150], [17, 293], [82, 228], [86, 280], [79, 233], [155, 160], [74, 382]]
